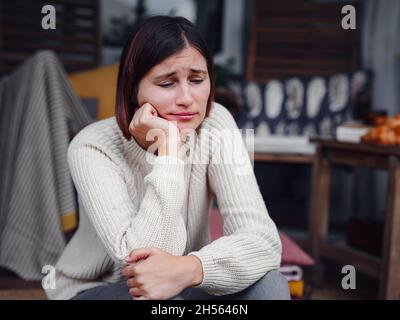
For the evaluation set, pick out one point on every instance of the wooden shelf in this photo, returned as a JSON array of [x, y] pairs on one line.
[[364, 262], [285, 158]]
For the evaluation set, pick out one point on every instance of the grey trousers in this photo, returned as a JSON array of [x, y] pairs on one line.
[[272, 286]]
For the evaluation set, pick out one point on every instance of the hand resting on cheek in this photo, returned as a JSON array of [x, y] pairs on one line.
[[147, 126]]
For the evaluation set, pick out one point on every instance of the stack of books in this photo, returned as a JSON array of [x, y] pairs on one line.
[[293, 263], [294, 276], [351, 132]]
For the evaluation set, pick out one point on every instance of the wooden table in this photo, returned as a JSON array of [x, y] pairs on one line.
[[331, 152]]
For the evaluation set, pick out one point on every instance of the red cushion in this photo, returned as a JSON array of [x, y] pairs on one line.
[[291, 252]]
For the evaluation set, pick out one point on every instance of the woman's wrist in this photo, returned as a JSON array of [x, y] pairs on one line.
[[168, 147], [195, 270]]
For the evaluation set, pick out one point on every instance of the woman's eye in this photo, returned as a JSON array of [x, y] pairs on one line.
[[165, 85], [197, 81]]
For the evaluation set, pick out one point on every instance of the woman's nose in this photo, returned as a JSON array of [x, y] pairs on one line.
[[184, 95]]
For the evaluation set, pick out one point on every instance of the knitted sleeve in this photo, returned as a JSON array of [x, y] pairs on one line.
[[250, 245], [121, 224]]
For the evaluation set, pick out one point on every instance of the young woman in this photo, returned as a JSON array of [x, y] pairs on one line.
[[146, 181]]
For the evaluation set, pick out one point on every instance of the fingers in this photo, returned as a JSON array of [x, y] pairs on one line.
[[145, 114], [148, 109], [129, 271], [139, 254], [141, 113], [147, 126], [134, 260], [143, 120], [132, 283], [136, 292]]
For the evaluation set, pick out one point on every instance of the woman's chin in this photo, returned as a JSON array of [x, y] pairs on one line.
[[186, 126]]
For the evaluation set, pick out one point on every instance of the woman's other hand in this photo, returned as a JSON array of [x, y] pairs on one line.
[[153, 274]]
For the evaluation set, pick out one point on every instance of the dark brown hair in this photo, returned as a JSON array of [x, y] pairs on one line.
[[157, 39]]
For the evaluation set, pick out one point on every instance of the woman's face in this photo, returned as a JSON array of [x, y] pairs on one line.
[[178, 88]]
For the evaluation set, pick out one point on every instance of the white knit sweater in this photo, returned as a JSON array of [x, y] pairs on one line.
[[130, 198]]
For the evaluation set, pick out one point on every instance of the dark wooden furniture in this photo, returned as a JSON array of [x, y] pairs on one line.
[[76, 39], [283, 158], [299, 38], [329, 153]]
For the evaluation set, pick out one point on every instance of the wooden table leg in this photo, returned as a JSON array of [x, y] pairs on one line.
[[390, 274], [319, 218]]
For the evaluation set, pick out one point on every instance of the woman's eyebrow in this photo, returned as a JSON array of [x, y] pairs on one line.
[[198, 71], [164, 76], [170, 74]]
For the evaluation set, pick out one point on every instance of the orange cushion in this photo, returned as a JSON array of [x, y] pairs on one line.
[[99, 83]]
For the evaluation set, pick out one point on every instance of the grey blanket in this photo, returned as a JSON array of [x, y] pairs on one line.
[[39, 113]]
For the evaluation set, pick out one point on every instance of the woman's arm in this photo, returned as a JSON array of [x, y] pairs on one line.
[[122, 226], [251, 245]]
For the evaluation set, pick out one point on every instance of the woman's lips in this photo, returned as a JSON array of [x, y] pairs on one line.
[[186, 116]]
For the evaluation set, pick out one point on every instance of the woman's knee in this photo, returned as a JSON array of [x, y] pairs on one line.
[[272, 286]]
